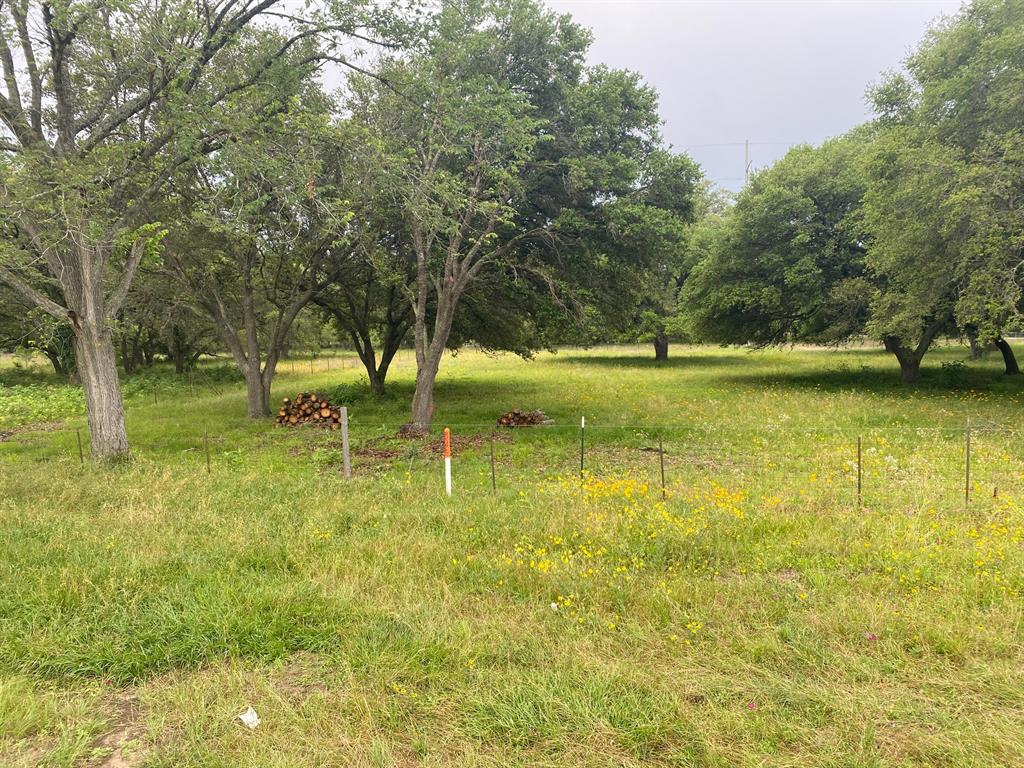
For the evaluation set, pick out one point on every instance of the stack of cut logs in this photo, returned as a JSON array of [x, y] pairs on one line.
[[523, 419], [308, 408]]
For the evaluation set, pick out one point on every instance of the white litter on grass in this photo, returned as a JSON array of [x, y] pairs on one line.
[[249, 718]]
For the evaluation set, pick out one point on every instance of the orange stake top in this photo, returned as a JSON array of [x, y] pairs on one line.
[[447, 443]]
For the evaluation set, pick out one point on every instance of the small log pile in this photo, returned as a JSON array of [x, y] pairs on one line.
[[308, 408], [524, 419]]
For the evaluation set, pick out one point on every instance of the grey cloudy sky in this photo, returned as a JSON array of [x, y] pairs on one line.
[[776, 73]]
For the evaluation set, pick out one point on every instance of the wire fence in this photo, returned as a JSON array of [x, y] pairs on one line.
[[856, 464], [897, 465]]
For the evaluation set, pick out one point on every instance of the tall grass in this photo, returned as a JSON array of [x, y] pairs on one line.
[[757, 615]]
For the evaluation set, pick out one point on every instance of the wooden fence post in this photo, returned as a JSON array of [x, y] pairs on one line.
[[346, 457]]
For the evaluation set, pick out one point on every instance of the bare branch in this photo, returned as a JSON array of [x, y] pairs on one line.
[[221, 32], [116, 300], [31, 294], [10, 76], [20, 12], [14, 119]]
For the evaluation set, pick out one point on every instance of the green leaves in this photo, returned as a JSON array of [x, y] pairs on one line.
[[789, 242]]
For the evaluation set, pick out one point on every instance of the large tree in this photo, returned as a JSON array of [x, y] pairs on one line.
[[484, 140], [103, 103], [787, 262], [260, 238], [371, 311], [953, 119], [831, 244], [914, 249], [654, 225]]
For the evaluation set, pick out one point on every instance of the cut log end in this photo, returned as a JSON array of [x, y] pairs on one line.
[[308, 408]]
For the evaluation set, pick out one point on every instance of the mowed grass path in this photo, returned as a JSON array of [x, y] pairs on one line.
[[754, 616]]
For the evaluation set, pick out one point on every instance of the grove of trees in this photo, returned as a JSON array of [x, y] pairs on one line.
[[908, 229], [184, 177]]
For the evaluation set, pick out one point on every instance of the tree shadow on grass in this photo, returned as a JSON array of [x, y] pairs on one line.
[[934, 382], [471, 401], [19, 375], [637, 361]]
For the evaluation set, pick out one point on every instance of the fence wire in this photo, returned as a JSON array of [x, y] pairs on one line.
[[900, 463]]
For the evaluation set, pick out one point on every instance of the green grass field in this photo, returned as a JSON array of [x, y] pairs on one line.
[[755, 616]]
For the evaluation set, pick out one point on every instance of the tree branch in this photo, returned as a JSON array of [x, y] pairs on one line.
[[20, 13], [10, 76], [31, 294], [13, 118], [116, 300]]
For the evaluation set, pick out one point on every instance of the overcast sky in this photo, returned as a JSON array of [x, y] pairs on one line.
[[776, 73]]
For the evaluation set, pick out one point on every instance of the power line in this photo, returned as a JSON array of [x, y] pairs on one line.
[[742, 143]]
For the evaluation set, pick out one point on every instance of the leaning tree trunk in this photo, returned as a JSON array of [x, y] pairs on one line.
[[97, 369], [661, 347], [428, 358], [55, 361], [1009, 360]]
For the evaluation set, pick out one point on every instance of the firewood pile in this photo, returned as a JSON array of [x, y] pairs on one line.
[[524, 419], [308, 408]]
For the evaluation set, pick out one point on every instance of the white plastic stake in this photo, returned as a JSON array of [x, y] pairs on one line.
[[448, 461]]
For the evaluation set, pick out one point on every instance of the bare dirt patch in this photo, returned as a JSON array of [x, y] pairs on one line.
[[464, 442], [120, 746], [44, 426]]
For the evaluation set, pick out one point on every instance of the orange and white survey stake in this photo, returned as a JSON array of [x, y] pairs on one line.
[[448, 461]]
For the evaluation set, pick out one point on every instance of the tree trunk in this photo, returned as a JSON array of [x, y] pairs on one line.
[[127, 360], [910, 371], [661, 347], [97, 369], [1009, 360], [428, 359], [376, 372], [54, 357], [977, 351], [376, 380], [257, 389], [386, 356], [423, 397], [909, 360]]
